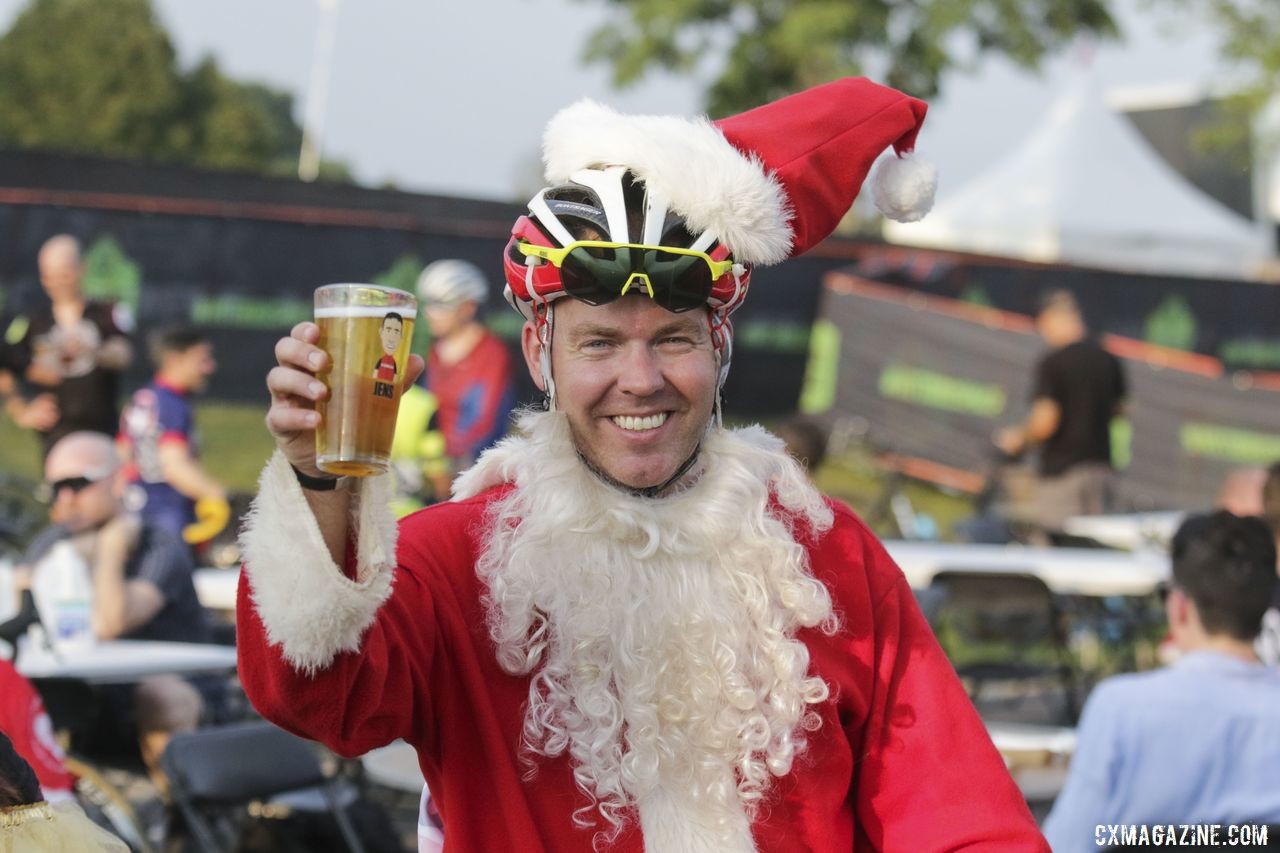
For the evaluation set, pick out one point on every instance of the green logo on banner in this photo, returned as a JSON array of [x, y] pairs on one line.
[[1121, 443], [941, 391], [1172, 324], [1251, 352], [1229, 444], [818, 394], [110, 274], [247, 312]]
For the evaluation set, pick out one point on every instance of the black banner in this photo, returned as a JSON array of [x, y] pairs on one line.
[[1232, 321], [934, 377], [240, 256]]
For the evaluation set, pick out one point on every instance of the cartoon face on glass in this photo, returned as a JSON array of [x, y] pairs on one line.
[[392, 331], [384, 371]]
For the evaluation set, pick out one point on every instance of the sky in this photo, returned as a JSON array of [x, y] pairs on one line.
[[451, 98]]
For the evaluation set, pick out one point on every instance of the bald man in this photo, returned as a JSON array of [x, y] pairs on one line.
[[142, 590], [74, 350]]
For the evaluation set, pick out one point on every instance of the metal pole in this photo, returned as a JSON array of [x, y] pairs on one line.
[[318, 92]]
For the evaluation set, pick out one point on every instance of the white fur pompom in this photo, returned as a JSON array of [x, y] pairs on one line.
[[904, 187]]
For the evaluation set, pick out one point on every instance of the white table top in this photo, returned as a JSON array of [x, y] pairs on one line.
[[1024, 737], [394, 766], [1135, 531], [126, 661], [1073, 571], [216, 588]]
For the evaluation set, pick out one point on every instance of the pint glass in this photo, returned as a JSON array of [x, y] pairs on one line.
[[366, 330]]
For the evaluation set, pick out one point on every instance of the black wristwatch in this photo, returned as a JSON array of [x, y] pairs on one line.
[[318, 484]]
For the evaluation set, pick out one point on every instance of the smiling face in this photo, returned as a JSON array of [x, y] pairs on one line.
[[636, 382], [392, 329]]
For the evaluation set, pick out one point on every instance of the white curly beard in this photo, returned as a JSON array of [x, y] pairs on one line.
[[660, 634]]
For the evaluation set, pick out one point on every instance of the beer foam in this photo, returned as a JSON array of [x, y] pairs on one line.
[[406, 312]]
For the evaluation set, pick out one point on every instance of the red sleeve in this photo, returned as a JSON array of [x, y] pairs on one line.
[[363, 699], [366, 698], [930, 778]]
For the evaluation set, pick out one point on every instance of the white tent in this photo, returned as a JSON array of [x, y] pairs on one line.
[[1087, 189]]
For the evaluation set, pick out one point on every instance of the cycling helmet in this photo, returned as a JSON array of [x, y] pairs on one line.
[[450, 282], [613, 205], [751, 189]]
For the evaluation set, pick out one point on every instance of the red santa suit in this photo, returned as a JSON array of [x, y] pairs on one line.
[[403, 648]]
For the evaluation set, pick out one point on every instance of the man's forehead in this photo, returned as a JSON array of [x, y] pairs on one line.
[[625, 316]]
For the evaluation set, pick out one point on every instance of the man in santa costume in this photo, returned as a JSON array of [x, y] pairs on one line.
[[632, 628]]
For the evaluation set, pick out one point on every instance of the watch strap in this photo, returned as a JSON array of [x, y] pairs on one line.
[[316, 484]]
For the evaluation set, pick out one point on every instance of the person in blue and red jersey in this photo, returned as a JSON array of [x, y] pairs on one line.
[[158, 438], [632, 628], [468, 368]]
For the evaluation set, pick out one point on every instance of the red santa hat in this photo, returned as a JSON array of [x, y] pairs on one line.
[[772, 182]]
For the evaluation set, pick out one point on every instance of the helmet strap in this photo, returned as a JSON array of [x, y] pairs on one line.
[[543, 321]]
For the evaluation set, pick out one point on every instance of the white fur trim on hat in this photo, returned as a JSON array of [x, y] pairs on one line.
[[711, 184], [904, 187], [308, 606]]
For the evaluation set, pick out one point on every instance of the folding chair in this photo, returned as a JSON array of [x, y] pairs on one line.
[[217, 772], [1003, 627]]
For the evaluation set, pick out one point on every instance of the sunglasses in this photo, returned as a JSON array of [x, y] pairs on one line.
[[597, 272], [50, 490]]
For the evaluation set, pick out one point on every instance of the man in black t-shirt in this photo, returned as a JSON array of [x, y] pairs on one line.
[[75, 349], [1079, 388], [142, 589]]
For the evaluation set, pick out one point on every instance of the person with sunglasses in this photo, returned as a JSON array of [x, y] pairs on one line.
[[142, 589], [632, 628]]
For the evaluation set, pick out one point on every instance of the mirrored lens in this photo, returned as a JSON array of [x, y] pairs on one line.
[[597, 275], [680, 282]]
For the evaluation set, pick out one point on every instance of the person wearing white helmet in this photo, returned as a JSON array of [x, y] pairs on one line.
[[468, 369], [633, 629]]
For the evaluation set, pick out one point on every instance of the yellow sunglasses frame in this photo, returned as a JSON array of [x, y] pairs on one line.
[[556, 257]]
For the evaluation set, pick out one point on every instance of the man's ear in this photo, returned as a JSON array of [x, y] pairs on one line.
[[531, 347], [1179, 608]]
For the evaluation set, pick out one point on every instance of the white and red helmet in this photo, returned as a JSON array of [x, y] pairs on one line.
[[612, 205], [756, 188]]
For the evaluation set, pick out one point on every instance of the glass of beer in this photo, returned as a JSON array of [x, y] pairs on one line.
[[366, 330]]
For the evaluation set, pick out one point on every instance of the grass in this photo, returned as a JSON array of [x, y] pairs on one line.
[[855, 478], [234, 444]]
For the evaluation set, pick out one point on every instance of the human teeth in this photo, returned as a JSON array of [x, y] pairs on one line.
[[640, 424]]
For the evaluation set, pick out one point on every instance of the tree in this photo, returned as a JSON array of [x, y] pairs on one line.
[[1251, 47], [88, 75], [101, 77], [765, 49]]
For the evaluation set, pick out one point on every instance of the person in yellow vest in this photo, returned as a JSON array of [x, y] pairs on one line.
[[417, 453]]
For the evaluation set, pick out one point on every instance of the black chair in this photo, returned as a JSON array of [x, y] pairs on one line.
[[215, 774], [1004, 627]]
